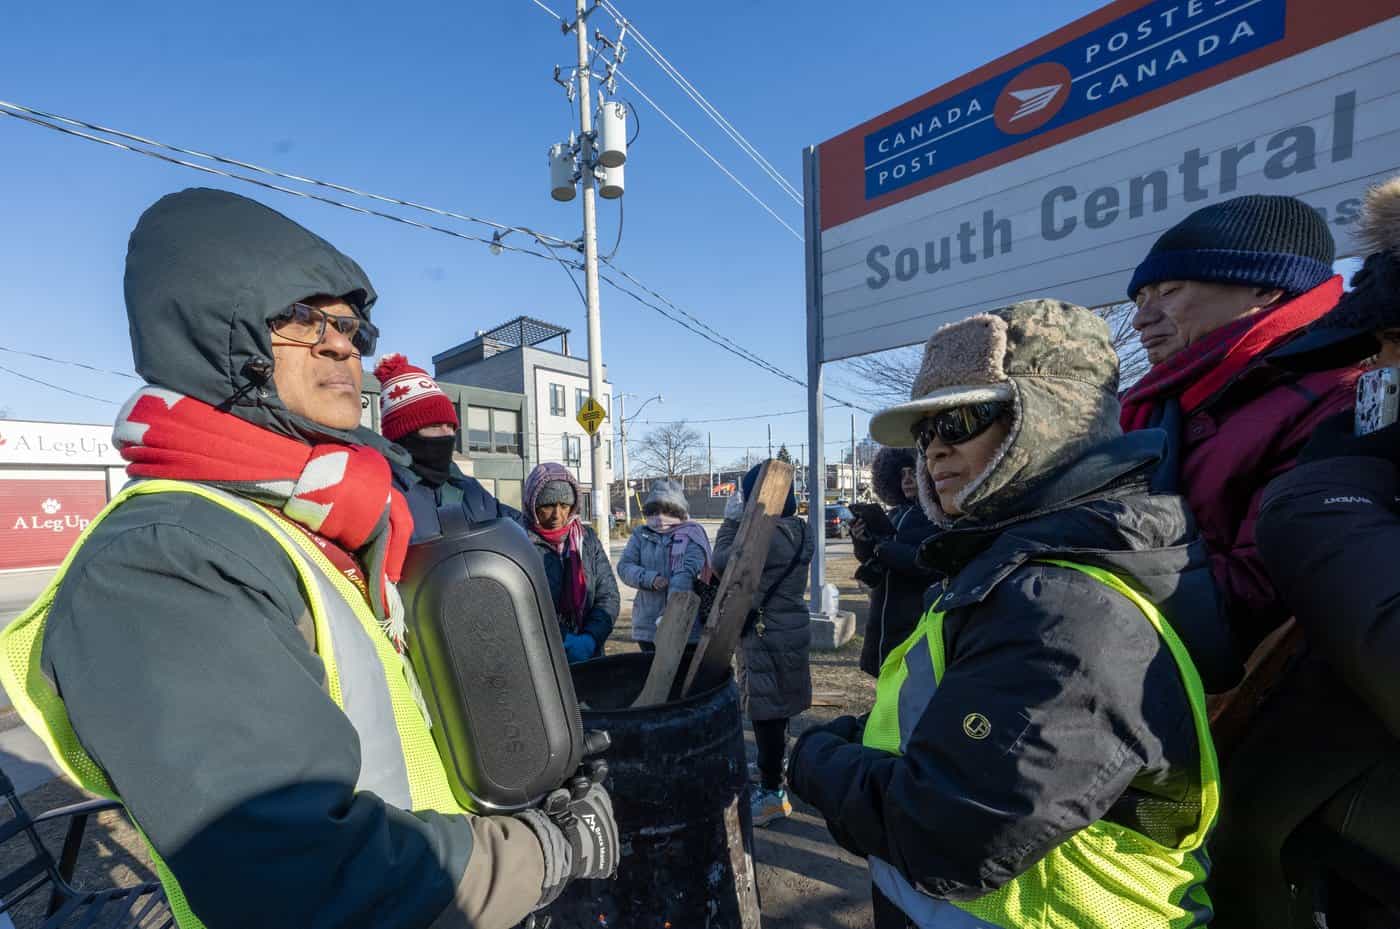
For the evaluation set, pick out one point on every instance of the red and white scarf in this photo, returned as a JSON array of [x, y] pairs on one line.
[[344, 493]]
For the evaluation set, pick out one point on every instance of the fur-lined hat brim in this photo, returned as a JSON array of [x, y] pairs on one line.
[[894, 426]]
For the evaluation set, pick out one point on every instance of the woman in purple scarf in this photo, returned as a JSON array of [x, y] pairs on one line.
[[580, 574]]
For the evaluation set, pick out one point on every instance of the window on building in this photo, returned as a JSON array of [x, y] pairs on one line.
[[556, 400], [607, 404], [505, 427], [608, 446], [573, 450], [580, 398], [478, 429]]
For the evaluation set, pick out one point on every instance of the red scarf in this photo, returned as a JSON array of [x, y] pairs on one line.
[[567, 540], [342, 492], [1198, 371]]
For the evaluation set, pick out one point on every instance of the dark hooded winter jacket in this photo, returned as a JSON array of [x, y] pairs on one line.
[[775, 674], [604, 601], [182, 644], [1329, 531], [897, 581], [1090, 719]]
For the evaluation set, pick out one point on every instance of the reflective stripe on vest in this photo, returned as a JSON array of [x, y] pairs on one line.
[[1106, 875], [364, 676]]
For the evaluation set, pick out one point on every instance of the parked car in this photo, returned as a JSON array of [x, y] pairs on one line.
[[838, 522]]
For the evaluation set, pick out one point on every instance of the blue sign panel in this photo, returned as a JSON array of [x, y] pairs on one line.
[[1153, 47]]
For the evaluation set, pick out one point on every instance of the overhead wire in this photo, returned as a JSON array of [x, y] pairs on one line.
[[64, 361], [706, 152], [57, 387], [18, 109], [650, 49], [550, 243]]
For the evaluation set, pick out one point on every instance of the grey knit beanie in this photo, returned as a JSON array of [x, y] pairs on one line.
[[555, 492]]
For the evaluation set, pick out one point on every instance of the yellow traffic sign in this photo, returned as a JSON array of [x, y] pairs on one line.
[[591, 415]]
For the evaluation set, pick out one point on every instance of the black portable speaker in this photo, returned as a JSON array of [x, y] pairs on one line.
[[484, 642]]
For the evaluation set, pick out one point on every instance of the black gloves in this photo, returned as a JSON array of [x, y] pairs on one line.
[[803, 772], [842, 729], [576, 828], [1336, 438]]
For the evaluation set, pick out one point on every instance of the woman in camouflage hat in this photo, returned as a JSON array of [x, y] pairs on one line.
[[1038, 753]]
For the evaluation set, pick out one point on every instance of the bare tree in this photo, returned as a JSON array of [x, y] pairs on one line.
[[888, 377], [671, 451]]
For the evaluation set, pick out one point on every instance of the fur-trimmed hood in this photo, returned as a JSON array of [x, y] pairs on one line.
[[885, 471], [1347, 334], [1056, 363]]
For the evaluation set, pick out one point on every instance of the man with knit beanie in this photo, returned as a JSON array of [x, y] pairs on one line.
[[1217, 296], [421, 419]]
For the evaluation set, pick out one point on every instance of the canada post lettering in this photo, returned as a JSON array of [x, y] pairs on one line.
[[1140, 52]]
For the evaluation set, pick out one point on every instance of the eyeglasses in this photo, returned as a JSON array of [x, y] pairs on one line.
[[958, 425], [306, 325]]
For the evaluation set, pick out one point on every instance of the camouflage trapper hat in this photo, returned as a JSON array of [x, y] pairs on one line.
[[1052, 361]]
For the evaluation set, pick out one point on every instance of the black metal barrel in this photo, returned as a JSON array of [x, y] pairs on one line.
[[678, 779]]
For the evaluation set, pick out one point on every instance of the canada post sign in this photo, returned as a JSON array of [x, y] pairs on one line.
[[1135, 54], [1051, 171]]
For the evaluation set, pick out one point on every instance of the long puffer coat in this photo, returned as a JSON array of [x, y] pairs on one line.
[[775, 676]]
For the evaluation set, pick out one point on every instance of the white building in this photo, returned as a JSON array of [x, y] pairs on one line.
[[555, 384], [54, 478]]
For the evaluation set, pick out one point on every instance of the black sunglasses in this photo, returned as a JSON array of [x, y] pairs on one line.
[[959, 424], [306, 325]]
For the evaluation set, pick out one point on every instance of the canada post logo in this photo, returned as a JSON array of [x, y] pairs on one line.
[[1150, 48]]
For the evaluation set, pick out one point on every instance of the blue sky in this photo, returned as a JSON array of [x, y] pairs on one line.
[[452, 104]]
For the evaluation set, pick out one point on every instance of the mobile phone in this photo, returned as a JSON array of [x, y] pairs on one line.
[[1377, 400], [874, 517]]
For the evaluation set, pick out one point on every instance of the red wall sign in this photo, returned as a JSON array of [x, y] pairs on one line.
[[41, 519]]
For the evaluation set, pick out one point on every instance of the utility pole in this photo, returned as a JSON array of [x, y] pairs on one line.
[[626, 485], [853, 457], [770, 440], [590, 265]]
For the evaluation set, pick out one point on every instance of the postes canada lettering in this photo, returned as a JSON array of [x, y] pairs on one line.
[[1196, 177]]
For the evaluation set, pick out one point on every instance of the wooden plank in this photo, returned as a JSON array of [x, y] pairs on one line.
[[742, 574], [672, 633]]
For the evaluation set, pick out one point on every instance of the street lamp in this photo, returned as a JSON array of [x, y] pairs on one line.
[[622, 430]]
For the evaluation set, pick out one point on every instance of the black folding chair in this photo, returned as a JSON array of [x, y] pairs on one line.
[[142, 905]]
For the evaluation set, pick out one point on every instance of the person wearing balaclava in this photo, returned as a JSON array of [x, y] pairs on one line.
[[416, 415], [224, 650], [774, 656], [580, 573], [668, 553], [1039, 751]]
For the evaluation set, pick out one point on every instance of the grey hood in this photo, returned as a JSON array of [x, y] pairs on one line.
[[205, 270], [668, 492]]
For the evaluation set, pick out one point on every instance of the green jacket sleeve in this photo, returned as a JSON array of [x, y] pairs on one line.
[[180, 644]]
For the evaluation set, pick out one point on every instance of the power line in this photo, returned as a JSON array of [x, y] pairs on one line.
[[26, 114], [281, 189], [17, 109], [64, 361], [706, 152], [547, 10], [693, 92], [57, 387]]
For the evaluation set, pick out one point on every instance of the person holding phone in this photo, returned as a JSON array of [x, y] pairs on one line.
[[1317, 816], [888, 554]]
